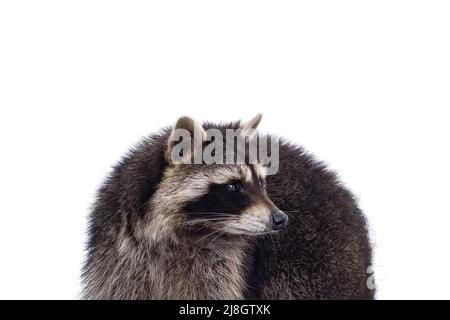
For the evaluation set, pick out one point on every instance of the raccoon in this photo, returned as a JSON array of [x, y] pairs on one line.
[[161, 229]]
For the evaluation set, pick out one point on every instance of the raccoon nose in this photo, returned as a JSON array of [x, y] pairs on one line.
[[279, 220]]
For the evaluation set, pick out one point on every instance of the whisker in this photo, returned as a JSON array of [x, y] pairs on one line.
[[197, 221], [258, 233], [210, 213], [214, 218], [221, 233], [254, 223], [214, 232]]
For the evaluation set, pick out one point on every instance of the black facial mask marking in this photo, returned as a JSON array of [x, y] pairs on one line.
[[218, 200]]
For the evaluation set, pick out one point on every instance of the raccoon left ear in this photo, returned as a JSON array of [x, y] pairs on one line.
[[248, 128], [192, 134]]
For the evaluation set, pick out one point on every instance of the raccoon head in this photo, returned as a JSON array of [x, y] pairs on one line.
[[203, 198]]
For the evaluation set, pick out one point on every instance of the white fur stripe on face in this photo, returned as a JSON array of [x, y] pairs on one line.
[[255, 219], [261, 171], [225, 174], [202, 178], [258, 211], [246, 174]]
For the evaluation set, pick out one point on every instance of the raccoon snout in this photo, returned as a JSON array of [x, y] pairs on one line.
[[279, 220]]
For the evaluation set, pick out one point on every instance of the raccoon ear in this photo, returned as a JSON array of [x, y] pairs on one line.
[[248, 129], [184, 141]]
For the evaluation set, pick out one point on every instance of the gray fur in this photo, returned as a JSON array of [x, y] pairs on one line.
[[141, 246]]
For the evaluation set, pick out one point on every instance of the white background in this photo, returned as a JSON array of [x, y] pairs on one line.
[[365, 85]]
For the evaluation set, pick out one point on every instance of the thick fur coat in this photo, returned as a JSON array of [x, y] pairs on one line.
[[142, 246]]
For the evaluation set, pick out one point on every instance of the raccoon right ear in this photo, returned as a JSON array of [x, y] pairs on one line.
[[184, 141], [248, 129]]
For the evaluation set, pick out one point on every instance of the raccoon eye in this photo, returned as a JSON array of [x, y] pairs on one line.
[[234, 187]]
